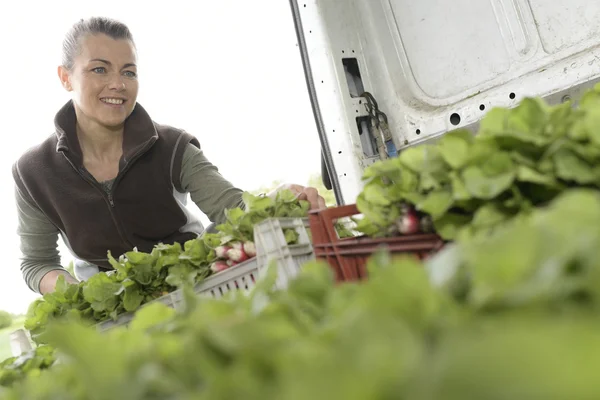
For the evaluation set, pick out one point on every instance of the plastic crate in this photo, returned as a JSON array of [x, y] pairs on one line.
[[270, 246], [19, 342], [348, 257]]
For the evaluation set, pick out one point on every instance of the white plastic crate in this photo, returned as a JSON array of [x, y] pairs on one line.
[[19, 342], [270, 246]]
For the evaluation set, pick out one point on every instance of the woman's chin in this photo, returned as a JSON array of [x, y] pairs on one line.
[[117, 119]]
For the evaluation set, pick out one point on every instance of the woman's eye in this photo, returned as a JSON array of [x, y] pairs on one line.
[[99, 70], [130, 74]]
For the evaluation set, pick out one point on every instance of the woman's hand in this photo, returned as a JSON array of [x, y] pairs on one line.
[[310, 194], [48, 282]]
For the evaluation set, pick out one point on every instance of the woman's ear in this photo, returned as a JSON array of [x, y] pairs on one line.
[[63, 75]]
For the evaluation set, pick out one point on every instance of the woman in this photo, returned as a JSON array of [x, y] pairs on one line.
[[110, 178]]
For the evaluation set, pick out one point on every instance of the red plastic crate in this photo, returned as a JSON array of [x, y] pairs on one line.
[[348, 257]]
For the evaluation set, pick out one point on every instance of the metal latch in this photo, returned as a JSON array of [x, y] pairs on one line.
[[380, 128]]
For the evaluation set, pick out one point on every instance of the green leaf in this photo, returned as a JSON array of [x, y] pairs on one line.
[[497, 164], [486, 187], [450, 224], [481, 150], [291, 236], [459, 190], [181, 274], [436, 203], [61, 284], [529, 117], [196, 249], [212, 240], [516, 127], [423, 158], [132, 299], [585, 151], [376, 194], [527, 174], [520, 158], [409, 181], [454, 147], [569, 167], [428, 182], [135, 258], [151, 315], [489, 215], [143, 273], [390, 168], [366, 226], [285, 196], [590, 123], [257, 203], [234, 215], [560, 121], [413, 158], [166, 261], [121, 268], [372, 213], [100, 291]]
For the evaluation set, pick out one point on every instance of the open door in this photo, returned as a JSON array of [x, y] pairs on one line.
[[434, 66]]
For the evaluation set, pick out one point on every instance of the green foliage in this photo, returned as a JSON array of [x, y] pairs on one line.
[[513, 314], [6, 319], [522, 158], [139, 277]]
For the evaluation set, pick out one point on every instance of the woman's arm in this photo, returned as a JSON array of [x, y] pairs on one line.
[[208, 189], [40, 260]]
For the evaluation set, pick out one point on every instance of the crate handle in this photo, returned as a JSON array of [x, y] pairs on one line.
[[321, 222]]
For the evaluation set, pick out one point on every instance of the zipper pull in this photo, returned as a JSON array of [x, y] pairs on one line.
[[110, 200]]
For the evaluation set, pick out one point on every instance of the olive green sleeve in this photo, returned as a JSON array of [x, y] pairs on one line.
[[209, 190], [38, 242]]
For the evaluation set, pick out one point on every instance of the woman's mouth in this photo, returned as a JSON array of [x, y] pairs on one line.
[[112, 101]]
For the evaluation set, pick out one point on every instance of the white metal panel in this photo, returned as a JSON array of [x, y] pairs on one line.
[[562, 25], [429, 59], [439, 47]]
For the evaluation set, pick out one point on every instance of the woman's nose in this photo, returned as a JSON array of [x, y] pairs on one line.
[[117, 84]]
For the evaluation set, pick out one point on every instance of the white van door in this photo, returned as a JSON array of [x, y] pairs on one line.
[[433, 66]]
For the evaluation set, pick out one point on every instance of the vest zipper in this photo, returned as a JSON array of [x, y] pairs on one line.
[[107, 197], [125, 168]]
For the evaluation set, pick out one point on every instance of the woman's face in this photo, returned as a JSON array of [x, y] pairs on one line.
[[103, 80]]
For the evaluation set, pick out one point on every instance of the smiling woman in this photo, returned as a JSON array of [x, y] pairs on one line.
[[99, 69], [110, 178]]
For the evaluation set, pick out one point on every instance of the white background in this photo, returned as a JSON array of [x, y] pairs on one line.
[[227, 71]]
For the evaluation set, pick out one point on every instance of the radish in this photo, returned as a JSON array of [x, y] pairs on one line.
[[237, 255], [408, 223], [221, 251], [250, 249], [236, 245], [231, 263], [218, 266]]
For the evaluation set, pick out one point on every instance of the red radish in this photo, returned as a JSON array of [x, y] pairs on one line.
[[237, 255], [231, 263], [236, 245], [218, 266], [408, 223], [250, 249], [221, 251]]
